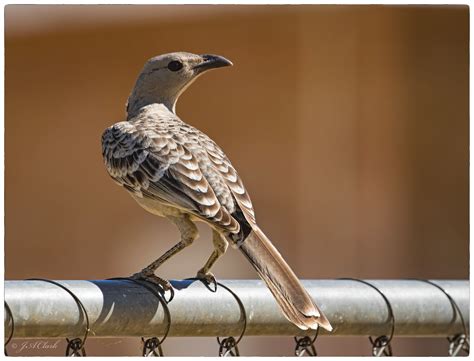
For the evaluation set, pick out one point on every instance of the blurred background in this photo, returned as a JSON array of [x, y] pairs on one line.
[[348, 124]]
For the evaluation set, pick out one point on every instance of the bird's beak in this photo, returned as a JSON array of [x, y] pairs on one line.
[[210, 61]]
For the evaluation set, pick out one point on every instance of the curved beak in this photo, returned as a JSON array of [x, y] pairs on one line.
[[210, 61]]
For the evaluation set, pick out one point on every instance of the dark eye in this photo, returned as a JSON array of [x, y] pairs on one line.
[[175, 65]]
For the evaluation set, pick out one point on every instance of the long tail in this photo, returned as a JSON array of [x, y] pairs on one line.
[[293, 299]]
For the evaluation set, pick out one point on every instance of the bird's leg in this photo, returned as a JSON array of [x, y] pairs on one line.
[[220, 247], [188, 232]]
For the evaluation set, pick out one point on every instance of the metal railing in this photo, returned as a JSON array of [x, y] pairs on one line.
[[120, 308]]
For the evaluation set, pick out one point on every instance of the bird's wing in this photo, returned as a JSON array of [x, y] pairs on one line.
[[155, 163], [223, 165]]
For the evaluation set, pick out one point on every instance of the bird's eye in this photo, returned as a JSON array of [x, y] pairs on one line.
[[175, 65]]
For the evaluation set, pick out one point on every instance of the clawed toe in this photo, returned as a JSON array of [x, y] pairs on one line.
[[152, 278], [208, 279]]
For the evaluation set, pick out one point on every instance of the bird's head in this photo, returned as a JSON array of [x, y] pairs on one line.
[[164, 78]]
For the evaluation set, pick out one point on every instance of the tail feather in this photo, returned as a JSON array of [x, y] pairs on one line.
[[291, 296]]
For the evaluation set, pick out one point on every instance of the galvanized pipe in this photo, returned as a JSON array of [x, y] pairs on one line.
[[123, 309]]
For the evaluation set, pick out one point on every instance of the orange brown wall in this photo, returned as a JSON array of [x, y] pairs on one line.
[[349, 126]]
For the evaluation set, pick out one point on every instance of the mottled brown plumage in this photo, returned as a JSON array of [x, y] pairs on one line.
[[158, 156], [174, 170]]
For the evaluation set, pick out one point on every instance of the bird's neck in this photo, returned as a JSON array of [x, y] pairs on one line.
[[136, 102]]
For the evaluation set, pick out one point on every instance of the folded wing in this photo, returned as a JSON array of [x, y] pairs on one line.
[[160, 166]]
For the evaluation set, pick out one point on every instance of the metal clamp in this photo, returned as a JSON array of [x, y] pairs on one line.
[[381, 345], [152, 346], [227, 346], [459, 342], [75, 346], [305, 345], [10, 315]]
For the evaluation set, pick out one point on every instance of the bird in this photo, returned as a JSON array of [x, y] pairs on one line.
[[174, 170]]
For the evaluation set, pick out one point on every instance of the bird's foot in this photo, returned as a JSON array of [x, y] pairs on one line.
[[148, 276], [208, 279]]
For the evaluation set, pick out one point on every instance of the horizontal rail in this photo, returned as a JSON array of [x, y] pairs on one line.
[[119, 308]]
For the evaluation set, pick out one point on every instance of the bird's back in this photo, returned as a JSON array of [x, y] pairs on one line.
[[158, 157]]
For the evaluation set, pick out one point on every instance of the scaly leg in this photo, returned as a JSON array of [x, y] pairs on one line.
[[188, 232], [220, 247]]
